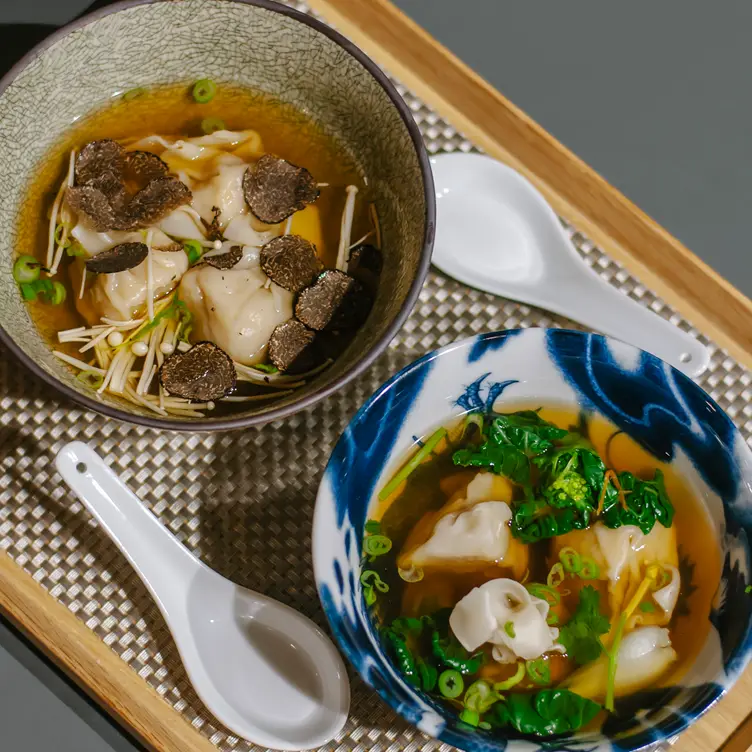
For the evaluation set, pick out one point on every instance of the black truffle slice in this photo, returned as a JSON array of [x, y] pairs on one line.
[[290, 345], [290, 261], [226, 260], [144, 166], [274, 188], [118, 258], [90, 201], [205, 372], [365, 257], [98, 157], [318, 306], [154, 202], [112, 186]]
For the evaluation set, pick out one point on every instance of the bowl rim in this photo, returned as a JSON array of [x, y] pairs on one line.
[[230, 423], [319, 531]]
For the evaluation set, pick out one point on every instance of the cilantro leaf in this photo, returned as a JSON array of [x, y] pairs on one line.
[[581, 634]]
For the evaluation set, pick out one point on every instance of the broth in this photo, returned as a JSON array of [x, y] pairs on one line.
[[172, 113], [409, 516]]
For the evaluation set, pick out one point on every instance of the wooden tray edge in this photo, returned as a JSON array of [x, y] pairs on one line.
[[576, 191], [95, 668]]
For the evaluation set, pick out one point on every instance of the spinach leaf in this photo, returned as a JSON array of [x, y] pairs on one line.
[[534, 520], [527, 431], [502, 459], [545, 713], [647, 503], [581, 634]]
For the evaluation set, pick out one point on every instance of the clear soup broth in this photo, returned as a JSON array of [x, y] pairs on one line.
[[506, 583]]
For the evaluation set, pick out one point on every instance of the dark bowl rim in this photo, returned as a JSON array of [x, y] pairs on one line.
[[209, 425]]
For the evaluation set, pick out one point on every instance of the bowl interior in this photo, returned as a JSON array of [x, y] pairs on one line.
[[263, 48], [660, 408]]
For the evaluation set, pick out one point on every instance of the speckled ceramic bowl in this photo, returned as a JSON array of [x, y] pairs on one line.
[[656, 405], [256, 44]]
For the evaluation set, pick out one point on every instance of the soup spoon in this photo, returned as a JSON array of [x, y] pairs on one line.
[[496, 232], [265, 671]]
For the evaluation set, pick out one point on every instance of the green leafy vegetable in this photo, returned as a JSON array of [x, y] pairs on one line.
[[527, 431], [502, 459], [373, 527], [429, 676], [647, 503], [581, 634], [546, 713], [403, 657], [448, 652], [647, 607]]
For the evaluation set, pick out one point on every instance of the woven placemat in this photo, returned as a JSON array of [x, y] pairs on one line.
[[243, 502]]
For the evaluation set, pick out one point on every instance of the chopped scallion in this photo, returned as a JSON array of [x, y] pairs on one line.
[[538, 671], [194, 250], [266, 368], [212, 124], [376, 545], [556, 575], [451, 684], [204, 90], [509, 629], [26, 269], [91, 379], [431, 444], [512, 681]]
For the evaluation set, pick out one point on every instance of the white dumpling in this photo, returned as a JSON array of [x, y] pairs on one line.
[[122, 295], [182, 224], [623, 555], [224, 191], [470, 531], [502, 613], [243, 229], [94, 242], [234, 309], [645, 654]]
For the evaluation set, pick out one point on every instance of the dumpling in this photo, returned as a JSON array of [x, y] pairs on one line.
[[502, 613], [122, 295], [470, 532], [644, 656], [234, 309], [224, 191], [622, 555]]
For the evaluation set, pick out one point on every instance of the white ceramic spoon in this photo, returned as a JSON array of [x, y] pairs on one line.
[[495, 231], [265, 671]]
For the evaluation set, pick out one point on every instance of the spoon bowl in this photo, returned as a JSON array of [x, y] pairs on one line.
[[496, 232], [265, 671]]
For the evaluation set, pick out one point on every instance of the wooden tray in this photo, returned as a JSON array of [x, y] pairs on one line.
[[580, 196]]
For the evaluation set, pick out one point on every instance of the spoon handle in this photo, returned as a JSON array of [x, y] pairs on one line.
[[161, 562], [605, 309]]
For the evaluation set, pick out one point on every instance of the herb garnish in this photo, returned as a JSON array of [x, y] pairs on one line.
[[581, 634]]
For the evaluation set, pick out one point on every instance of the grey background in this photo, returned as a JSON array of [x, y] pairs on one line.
[[655, 96]]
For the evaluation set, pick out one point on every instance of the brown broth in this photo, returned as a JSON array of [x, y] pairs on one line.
[[171, 111], [433, 483]]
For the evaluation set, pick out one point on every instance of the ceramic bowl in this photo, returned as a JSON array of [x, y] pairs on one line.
[[254, 43], [656, 405]]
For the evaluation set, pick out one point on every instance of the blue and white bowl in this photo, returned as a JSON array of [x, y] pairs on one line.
[[646, 398]]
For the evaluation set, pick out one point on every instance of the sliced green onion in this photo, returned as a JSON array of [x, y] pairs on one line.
[[194, 250], [134, 93], [266, 368], [57, 295], [369, 578], [538, 671], [91, 379], [647, 607], [509, 629], [748, 589], [479, 696], [544, 592], [369, 596], [451, 684], [570, 560], [556, 575], [373, 527], [484, 725], [416, 459], [26, 269], [612, 663], [376, 545], [470, 717], [552, 620], [28, 292], [590, 570], [75, 249], [59, 230], [204, 90], [512, 681], [212, 125]]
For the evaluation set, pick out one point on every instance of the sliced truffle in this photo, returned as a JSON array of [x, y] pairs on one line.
[[118, 258], [336, 300], [290, 261], [225, 260], [96, 158], [205, 372], [154, 202], [290, 346], [144, 166], [274, 188], [112, 186], [365, 265], [91, 202]]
